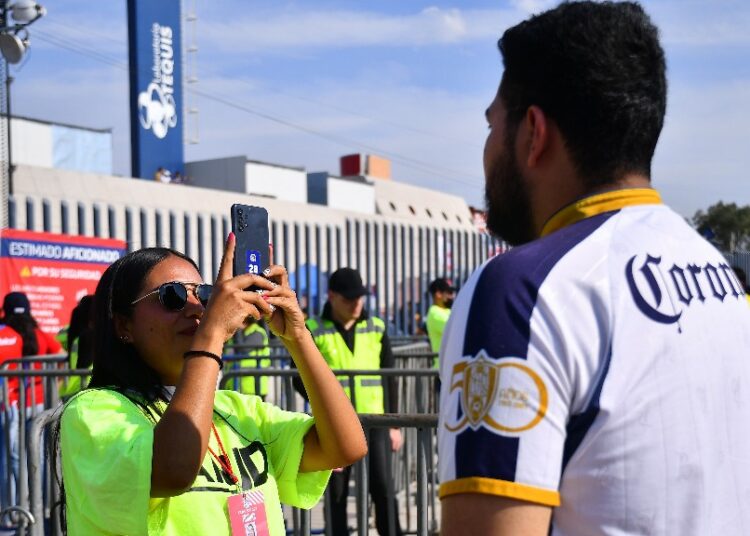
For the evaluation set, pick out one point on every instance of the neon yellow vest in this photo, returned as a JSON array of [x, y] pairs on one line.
[[246, 385], [368, 390], [70, 385]]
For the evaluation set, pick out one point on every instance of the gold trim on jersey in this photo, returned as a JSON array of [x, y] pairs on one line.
[[501, 488], [600, 203]]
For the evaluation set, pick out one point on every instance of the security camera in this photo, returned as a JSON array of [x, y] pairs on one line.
[[26, 11]]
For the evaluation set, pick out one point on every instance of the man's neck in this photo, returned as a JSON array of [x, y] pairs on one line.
[[551, 205], [343, 322]]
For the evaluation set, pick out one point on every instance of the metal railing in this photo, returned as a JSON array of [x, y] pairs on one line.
[[16, 422], [412, 470], [420, 433]]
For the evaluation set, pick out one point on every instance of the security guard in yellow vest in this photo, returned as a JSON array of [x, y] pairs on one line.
[[77, 339], [255, 337], [350, 339]]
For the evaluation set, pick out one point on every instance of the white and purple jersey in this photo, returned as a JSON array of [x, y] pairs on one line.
[[603, 369]]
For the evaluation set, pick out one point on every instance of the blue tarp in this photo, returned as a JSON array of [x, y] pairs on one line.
[[81, 150]]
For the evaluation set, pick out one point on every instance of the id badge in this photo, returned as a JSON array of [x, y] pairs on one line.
[[247, 514]]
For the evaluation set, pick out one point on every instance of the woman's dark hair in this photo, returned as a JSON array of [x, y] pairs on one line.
[[116, 363], [26, 327], [81, 329]]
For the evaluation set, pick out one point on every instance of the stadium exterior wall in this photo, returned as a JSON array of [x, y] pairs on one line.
[[397, 254]]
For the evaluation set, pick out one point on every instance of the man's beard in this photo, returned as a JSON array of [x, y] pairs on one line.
[[507, 199]]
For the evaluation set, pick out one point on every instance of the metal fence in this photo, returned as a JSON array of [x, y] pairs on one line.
[[397, 259], [30, 493], [740, 259]]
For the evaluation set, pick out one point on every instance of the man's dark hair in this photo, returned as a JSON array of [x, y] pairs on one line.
[[25, 325], [598, 71]]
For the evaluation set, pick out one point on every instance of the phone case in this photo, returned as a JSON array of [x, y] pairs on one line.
[[250, 228]]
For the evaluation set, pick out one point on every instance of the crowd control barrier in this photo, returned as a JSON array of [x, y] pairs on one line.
[[30, 508]]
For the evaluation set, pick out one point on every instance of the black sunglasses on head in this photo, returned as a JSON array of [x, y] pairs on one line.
[[174, 295]]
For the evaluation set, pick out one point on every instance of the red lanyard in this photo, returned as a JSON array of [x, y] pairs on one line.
[[222, 458]]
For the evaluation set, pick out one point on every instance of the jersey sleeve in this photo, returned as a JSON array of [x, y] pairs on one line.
[[284, 434], [514, 364], [107, 448]]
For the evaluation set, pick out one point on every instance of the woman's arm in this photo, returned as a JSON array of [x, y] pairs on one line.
[[181, 436], [337, 439]]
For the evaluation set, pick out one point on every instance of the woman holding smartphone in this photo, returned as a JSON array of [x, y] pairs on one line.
[[153, 448]]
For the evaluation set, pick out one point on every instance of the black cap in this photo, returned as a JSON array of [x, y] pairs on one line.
[[16, 303], [441, 285], [347, 282]]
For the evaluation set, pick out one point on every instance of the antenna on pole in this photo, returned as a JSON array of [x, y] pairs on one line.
[[192, 132]]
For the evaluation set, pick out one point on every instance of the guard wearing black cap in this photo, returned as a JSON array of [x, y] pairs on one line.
[[443, 293], [349, 338]]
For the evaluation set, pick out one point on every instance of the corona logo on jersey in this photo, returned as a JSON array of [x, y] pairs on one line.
[[156, 105], [663, 294], [504, 395]]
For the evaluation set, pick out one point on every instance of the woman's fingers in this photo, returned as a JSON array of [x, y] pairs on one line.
[[250, 280], [225, 268], [277, 273], [257, 300]]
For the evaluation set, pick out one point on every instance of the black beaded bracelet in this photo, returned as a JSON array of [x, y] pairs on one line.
[[204, 353]]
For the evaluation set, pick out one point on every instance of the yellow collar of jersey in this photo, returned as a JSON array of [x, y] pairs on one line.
[[600, 203]]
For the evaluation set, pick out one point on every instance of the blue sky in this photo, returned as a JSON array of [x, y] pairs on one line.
[[406, 79]]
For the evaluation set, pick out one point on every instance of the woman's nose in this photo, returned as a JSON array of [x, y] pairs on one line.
[[193, 306]]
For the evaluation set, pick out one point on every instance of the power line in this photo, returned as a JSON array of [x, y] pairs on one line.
[[364, 116], [79, 49], [405, 161], [87, 30]]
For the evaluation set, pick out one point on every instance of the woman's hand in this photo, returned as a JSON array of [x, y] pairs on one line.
[[230, 304], [286, 321]]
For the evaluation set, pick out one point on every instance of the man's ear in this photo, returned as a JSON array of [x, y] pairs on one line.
[[538, 135]]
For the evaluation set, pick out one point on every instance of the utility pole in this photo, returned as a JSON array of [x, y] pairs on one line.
[[14, 41], [5, 180]]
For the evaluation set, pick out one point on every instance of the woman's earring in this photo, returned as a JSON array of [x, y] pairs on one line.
[[124, 338]]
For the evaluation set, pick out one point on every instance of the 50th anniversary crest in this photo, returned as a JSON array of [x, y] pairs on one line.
[[505, 395]]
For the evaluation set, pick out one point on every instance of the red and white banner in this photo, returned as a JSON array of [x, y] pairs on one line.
[[54, 270]]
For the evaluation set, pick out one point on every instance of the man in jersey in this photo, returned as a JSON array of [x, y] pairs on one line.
[[595, 378], [349, 338]]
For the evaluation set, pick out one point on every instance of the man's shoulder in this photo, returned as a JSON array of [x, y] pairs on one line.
[[317, 325], [376, 322]]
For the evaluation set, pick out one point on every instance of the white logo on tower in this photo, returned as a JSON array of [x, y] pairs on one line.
[[156, 107]]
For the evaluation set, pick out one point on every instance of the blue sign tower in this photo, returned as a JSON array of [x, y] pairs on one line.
[[156, 139]]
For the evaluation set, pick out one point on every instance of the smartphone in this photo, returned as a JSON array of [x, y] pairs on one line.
[[250, 228]]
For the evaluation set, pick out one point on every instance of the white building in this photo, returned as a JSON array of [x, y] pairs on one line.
[[55, 145], [252, 177]]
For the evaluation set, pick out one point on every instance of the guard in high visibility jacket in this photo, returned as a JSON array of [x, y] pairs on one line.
[[349, 338], [256, 338], [77, 339], [443, 293]]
